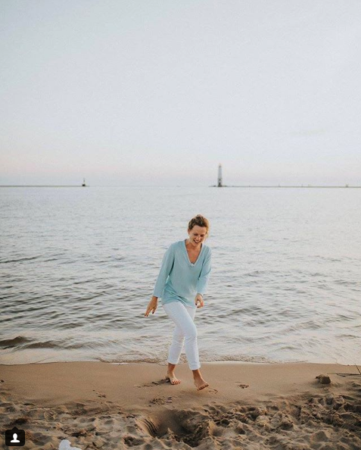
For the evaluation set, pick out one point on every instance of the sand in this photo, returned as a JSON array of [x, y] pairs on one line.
[[97, 405]]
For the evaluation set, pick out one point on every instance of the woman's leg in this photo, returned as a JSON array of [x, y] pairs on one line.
[[176, 347], [198, 380], [185, 331], [174, 353]]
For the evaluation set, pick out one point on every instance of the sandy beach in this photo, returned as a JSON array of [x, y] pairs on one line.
[[97, 405]]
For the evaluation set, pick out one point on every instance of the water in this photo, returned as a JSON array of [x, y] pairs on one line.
[[78, 267]]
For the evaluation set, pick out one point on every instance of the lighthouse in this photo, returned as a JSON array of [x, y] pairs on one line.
[[220, 184]]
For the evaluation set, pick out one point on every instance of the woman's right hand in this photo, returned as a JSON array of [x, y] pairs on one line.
[[152, 306]]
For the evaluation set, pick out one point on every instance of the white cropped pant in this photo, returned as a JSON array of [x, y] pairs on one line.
[[185, 330]]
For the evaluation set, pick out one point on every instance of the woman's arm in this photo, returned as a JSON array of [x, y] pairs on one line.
[[204, 275], [167, 265]]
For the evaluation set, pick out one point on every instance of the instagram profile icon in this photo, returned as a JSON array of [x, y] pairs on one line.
[[15, 437]]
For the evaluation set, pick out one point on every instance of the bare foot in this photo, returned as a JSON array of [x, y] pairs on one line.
[[172, 378], [200, 383]]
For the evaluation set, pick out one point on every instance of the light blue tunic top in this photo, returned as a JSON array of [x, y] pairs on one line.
[[179, 279]]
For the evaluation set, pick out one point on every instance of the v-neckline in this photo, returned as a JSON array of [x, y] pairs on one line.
[[185, 248]]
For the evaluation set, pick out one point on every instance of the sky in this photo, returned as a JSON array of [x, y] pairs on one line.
[[158, 93]]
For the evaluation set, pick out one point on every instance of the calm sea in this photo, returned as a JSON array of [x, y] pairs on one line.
[[78, 267]]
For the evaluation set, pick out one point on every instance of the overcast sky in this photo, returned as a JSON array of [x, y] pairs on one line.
[[160, 92]]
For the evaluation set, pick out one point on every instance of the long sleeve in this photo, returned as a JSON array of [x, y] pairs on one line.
[[204, 275], [166, 268]]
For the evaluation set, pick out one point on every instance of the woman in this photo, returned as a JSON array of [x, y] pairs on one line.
[[181, 283]]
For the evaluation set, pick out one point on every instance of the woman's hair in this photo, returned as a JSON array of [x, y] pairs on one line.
[[200, 221]]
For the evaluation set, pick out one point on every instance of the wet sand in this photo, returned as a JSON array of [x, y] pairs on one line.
[[247, 406]]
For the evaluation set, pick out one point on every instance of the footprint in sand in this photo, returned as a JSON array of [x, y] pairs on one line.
[[243, 386], [152, 384], [157, 401], [160, 401], [99, 394], [212, 391]]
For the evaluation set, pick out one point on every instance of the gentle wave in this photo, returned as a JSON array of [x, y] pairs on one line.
[[15, 342], [31, 258]]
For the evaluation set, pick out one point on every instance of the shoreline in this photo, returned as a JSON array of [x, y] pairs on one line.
[[162, 362], [116, 405]]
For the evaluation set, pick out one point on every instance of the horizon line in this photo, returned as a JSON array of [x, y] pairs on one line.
[[346, 186]]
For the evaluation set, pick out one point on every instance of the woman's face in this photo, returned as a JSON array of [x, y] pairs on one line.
[[197, 234]]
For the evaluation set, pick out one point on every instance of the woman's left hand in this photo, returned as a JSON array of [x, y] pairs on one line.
[[199, 301]]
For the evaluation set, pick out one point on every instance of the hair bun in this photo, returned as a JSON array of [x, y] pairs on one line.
[[199, 220]]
